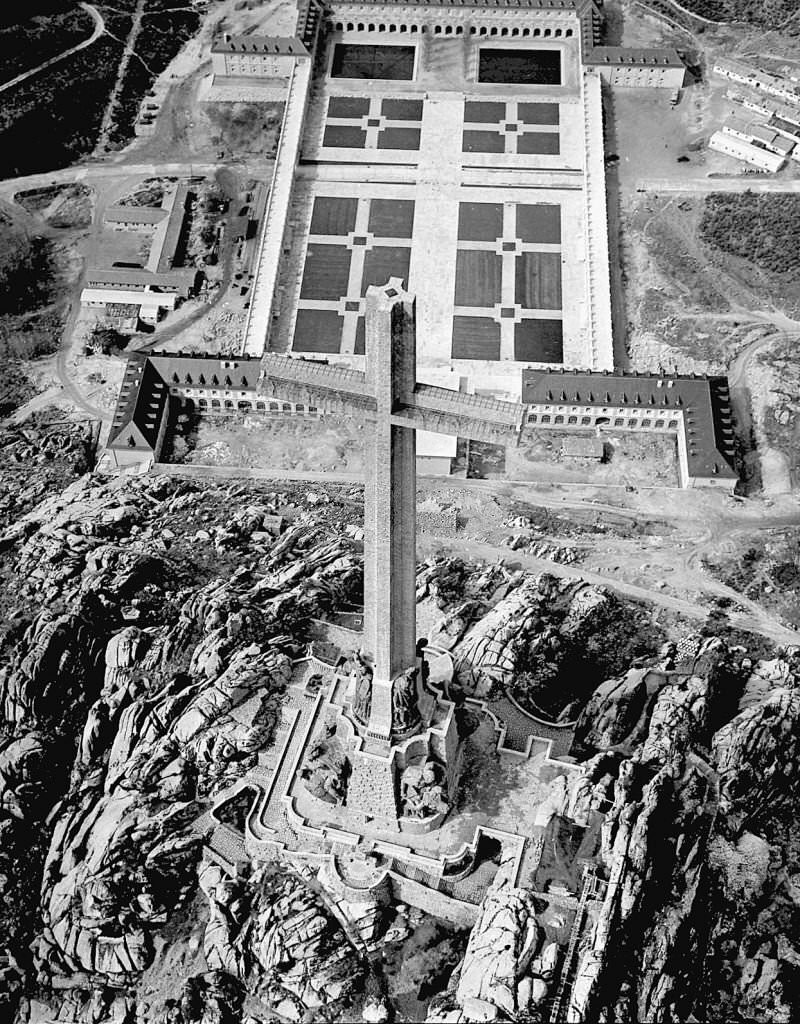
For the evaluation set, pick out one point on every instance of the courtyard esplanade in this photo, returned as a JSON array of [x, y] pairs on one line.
[[546, 19]]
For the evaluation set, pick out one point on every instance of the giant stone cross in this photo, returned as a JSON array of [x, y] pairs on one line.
[[394, 405]]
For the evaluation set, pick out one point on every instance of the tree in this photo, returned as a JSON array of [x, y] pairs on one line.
[[106, 340], [25, 269]]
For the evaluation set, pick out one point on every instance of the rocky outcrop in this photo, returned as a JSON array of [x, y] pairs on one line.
[[757, 756], [613, 711], [150, 632], [124, 843], [509, 964], [23, 776], [767, 675], [164, 713], [540, 613], [274, 933], [57, 664], [500, 949]]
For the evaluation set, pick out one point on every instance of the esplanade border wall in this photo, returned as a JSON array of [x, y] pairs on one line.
[[599, 345], [270, 250]]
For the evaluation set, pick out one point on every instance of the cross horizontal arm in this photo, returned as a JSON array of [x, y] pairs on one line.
[[338, 389]]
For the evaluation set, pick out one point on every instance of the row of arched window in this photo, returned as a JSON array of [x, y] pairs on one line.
[[451, 30], [245, 406], [587, 421]]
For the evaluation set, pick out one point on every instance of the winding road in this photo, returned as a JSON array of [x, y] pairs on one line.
[[99, 30]]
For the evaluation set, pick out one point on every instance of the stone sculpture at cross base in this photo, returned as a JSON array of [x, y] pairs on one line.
[[392, 727]]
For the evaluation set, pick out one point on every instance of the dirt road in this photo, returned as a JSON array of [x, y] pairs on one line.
[[776, 477], [760, 623], [99, 30], [130, 50], [88, 173]]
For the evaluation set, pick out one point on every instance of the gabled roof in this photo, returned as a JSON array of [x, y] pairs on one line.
[[137, 277], [145, 390], [140, 407], [135, 214], [278, 45], [625, 55]]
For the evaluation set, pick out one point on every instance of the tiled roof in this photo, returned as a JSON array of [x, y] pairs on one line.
[[146, 386], [235, 372], [785, 126], [135, 214], [141, 403], [165, 242], [737, 67], [132, 277], [704, 402], [626, 55], [278, 45], [738, 124]]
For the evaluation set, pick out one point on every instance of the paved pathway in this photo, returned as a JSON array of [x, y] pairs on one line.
[[745, 183], [99, 29]]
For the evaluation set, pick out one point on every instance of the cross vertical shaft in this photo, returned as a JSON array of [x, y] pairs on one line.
[[389, 498]]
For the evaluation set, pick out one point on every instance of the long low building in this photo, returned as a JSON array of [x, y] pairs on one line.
[[760, 135], [135, 217], [181, 282], [755, 78], [740, 149]]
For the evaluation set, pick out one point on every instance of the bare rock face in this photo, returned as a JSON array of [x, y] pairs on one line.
[[275, 935], [58, 663], [23, 778], [493, 649], [500, 949], [508, 967], [644, 910], [770, 674], [678, 720], [665, 709], [756, 755], [488, 652], [613, 710], [124, 843]]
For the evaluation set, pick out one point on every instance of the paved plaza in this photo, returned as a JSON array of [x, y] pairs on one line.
[[473, 191]]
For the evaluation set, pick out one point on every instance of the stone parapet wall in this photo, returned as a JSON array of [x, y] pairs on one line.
[[270, 248], [598, 284], [406, 890]]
